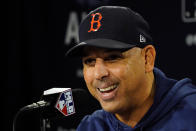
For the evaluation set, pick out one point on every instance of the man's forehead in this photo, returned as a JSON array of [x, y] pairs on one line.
[[89, 50]]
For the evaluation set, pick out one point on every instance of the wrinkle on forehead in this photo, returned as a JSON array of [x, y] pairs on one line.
[[89, 50], [133, 51]]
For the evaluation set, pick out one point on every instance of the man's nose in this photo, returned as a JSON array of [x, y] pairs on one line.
[[101, 70]]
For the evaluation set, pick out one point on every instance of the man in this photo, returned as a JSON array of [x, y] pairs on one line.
[[118, 66]]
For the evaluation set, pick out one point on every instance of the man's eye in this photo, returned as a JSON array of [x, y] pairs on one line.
[[89, 61]]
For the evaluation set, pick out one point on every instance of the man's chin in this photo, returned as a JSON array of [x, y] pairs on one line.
[[109, 108]]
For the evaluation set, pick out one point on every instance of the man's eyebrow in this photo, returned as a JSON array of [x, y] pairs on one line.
[[86, 51]]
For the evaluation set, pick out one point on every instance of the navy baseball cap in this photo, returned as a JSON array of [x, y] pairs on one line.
[[112, 27]]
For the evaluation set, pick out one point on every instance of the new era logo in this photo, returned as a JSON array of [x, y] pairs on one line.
[[142, 38], [65, 103]]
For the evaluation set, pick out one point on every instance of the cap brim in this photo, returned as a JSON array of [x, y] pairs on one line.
[[101, 43]]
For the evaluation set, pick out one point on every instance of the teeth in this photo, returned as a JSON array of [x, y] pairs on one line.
[[108, 88]]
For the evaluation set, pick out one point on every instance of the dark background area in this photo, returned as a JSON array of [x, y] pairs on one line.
[[37, 31]]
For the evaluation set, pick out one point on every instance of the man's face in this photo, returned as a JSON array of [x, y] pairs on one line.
[[116, 79]]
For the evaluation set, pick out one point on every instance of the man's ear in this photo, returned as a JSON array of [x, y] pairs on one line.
[[150, 55]]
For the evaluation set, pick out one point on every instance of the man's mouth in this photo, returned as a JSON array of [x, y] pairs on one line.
[[108, 89], [108, 93]]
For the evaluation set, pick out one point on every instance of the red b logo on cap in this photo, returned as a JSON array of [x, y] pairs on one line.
[[93, 21]]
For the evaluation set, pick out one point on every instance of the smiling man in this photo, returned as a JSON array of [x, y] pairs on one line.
[[121, 81], [118, 65]]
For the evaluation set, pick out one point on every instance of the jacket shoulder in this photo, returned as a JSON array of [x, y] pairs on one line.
[[96, 121]]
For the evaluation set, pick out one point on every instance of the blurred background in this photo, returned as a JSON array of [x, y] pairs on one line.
[[41, 31]]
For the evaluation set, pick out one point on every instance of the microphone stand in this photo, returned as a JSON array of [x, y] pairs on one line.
[[16, 117], [45, 124]]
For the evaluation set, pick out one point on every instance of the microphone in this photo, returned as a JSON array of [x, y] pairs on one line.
[[36, 105], [59, 98], [60, 102]]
